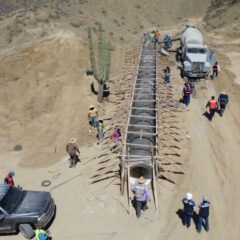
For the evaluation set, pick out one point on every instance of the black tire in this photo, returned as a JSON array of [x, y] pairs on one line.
[[26, 230], [46, 183], [182, 74]]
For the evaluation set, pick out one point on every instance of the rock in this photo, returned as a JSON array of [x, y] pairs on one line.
[[17, 148], [102, 204], [188, 136], [88, 210], [90, 199]]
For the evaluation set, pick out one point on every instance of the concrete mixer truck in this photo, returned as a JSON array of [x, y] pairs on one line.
[[195, 57]]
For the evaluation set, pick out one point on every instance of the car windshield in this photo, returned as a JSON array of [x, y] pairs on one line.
[[12, 199], [197, 50]]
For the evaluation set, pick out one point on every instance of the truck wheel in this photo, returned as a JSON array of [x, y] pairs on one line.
[[182, 74], [26, 230], [178, 57]]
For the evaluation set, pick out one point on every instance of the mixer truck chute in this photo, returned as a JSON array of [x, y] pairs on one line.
[[195, 57]]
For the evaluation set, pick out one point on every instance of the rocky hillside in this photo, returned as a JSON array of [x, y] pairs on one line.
[[122, 20], [223, 17]]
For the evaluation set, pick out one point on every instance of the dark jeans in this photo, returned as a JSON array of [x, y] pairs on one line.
[[93, 121], [100, 135], [138, 205], [187, 219], [222, 108], [211, 113], [202, 221], [186, 99], [215, 74], [73, 160]]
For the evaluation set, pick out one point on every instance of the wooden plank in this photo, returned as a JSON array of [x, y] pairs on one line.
[[144, 117], [128, 185], [143, 126], [140, 108], [139, 79], [144, 100], [140, 145], [142, 133]]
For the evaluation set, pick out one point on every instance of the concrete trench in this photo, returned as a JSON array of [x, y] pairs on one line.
[[141, 131]]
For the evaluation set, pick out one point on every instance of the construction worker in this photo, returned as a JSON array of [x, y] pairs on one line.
[[222, 102], [92, 116], [152, 37], [100, 129], [188, 209], [215, 70], [203, 215], [213, 106], [158, 36], [41, 234], [9, 178], [167, 75], [141, 196], [116, 135], [167, 42], [186, 93], [72, 150]]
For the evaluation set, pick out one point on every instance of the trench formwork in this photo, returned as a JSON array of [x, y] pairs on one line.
[[140, 143]]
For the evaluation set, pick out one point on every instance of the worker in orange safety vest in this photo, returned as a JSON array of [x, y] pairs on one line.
[[213, 106]]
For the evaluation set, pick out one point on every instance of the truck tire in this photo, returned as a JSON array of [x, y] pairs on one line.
[[182, 74], [178, 57], [26, 230]]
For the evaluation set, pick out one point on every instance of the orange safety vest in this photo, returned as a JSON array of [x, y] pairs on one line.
[[213, 104]]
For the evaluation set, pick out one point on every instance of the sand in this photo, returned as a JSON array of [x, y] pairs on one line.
[[44, 101]]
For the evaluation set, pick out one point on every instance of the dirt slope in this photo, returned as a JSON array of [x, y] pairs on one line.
[[44, 98]]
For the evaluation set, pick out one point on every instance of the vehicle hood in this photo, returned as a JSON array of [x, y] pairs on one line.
[[34, 202], [196, 57]]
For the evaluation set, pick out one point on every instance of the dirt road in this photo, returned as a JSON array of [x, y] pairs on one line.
[[212, 169]]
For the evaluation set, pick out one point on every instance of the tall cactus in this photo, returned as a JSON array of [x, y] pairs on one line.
[[100, 72]]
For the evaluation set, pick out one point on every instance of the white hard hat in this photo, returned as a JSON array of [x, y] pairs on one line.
[[205, 198], [189, 196]]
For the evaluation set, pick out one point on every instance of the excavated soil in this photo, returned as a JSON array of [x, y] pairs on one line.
[[44, 99]]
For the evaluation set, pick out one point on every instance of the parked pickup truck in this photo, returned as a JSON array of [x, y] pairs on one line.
[[24, 211]]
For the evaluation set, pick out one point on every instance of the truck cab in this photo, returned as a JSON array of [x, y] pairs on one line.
[[195, 61], [24, 211], [195, 57]]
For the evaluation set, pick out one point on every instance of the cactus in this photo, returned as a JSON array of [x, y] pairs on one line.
[[100, 72]]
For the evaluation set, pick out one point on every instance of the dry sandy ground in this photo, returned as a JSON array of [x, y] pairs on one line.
[[37, 100], [97, 211]]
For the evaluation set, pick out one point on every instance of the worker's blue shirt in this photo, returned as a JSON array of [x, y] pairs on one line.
[[188, 206], [204, 209], [223, 98], [42, 236], [140, 192]]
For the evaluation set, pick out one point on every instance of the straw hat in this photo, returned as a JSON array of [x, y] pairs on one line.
[[223, 92], [189, 196], [141, 180], [72, 140]]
